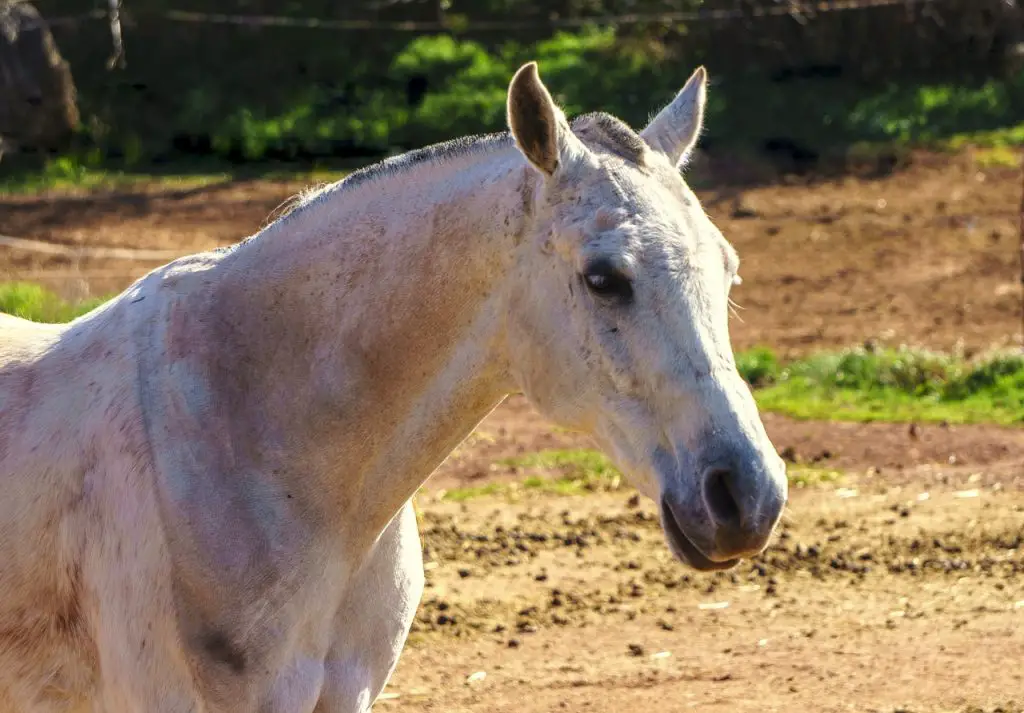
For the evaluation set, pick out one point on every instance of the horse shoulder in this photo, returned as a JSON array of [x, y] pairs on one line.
[[46, 652]]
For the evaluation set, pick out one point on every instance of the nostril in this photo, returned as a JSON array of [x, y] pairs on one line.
[[721, 497]]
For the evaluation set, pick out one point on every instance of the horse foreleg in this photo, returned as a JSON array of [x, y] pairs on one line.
[[373, 622]]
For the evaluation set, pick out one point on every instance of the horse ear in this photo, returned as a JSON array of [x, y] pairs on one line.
[[538, 125], [675, 129]]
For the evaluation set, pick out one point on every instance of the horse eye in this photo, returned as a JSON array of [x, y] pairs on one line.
[[608, 283]]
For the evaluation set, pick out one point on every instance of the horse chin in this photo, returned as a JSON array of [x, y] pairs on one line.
[[684, 549]]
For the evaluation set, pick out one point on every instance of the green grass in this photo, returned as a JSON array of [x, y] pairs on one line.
[[66, 173], [953, 113], [998, 157], [556, 472], [1007, 137], [89, 173], [582, 471], [458, 495], [806, 476], [889, 385], [995, 148], [579, 471], [39, 305]]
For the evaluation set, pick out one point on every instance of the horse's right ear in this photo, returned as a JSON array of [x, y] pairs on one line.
[[538, 125], [675, 129]]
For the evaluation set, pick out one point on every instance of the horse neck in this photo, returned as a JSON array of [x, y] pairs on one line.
[[372, 320]]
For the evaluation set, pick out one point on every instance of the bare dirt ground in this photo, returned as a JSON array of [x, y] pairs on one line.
[[898, 588], [875, 597]]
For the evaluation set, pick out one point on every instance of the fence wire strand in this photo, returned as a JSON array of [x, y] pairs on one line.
[[77, 252], [800, 11]]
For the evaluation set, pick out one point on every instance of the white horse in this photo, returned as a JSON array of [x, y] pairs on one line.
[[205, 484]]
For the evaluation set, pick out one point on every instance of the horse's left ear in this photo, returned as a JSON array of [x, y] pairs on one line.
[[674, 131], [538, 125]]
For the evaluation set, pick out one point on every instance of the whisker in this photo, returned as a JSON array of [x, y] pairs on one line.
[[734, 311]]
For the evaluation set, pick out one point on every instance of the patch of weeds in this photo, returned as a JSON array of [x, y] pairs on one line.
[[458, 495], [892, 385], [997, 157], [40, 305], [807, 476], [553, 472], [1008, 136], [83, 173], [758, 366], [588, 471], [66, 173], [579, 470], [579, 462]]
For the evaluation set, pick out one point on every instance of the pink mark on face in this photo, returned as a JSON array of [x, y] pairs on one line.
[[606, 219]]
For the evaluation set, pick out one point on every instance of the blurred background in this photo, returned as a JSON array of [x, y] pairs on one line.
[[864, 157], [245, 80]]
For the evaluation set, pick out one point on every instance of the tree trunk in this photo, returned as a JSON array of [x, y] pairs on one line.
[[38, 107]]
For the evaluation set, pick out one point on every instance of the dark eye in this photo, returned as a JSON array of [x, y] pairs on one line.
[[607, 282]]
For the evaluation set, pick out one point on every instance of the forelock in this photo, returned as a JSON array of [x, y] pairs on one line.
[[603, 131]]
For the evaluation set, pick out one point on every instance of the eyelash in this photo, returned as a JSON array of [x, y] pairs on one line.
[[609, 284]]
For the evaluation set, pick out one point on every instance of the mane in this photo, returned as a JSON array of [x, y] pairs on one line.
[[611, 134], [435, 153], [598, 130]]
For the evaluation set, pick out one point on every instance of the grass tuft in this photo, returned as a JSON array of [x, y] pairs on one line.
[[82, 173], [801, 476], [459, 495], [39, 305], [555, 472], [69, 173], [582, 471], [889, 385]]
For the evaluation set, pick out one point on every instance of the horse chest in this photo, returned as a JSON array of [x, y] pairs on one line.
[[335, 651]]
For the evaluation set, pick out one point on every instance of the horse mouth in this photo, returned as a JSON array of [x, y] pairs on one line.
[[684, 548]]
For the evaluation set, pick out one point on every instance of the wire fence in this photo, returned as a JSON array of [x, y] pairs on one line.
[[77, 252], [799, 11]]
